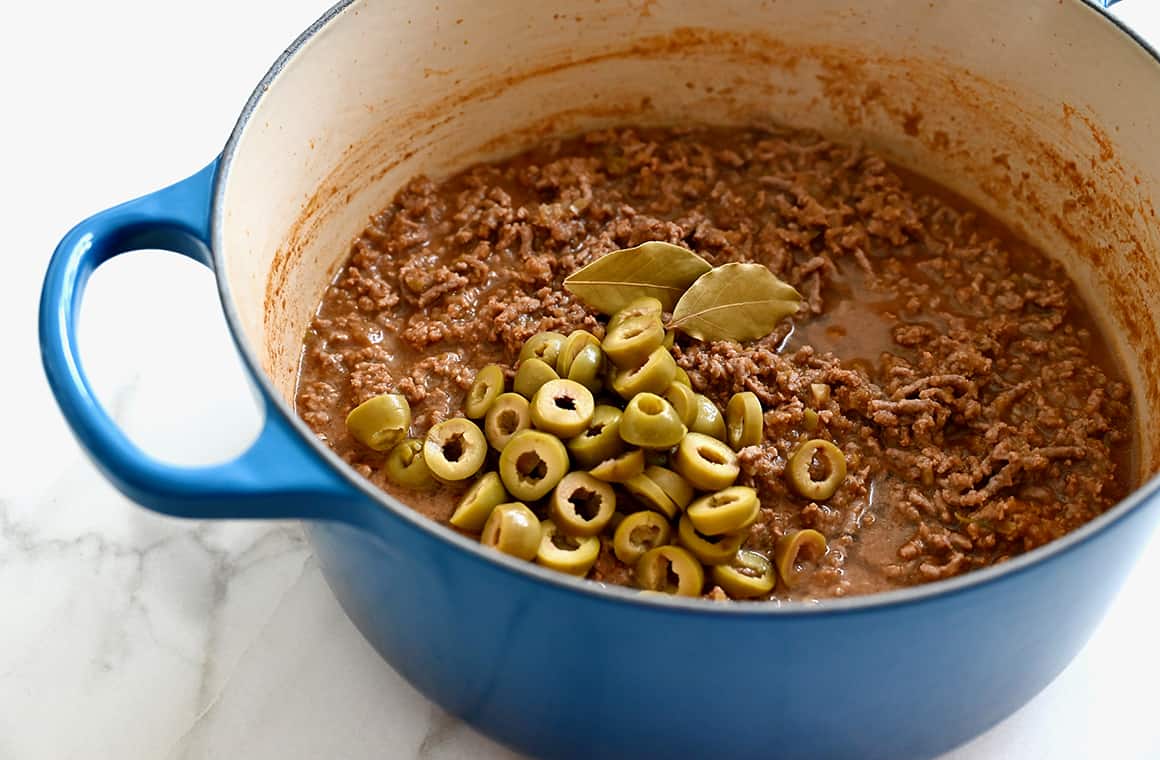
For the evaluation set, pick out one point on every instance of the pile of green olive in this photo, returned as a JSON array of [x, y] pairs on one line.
[[589, 428]]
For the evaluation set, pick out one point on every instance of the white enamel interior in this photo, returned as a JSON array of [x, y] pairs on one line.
[[1040, 111]]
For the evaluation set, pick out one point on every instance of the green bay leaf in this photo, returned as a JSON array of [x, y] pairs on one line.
[[661, 270], [734, 302]]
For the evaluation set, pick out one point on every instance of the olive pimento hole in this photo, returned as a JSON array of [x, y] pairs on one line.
[[586, 503], [721, 500], [820, 467], [565, 402], [807, 552], [672, 577], [453, 447], [531, 467], [507, 421], [797, 558], [650, 405], [594, 431], [565, 542], [645, 535], [710, 455]]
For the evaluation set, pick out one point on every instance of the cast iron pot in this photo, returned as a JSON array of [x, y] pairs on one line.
[[1043, 112]]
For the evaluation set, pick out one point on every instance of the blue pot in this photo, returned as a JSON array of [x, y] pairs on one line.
[[558, 667]]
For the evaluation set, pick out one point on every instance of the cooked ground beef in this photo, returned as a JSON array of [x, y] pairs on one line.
[[965, 382]]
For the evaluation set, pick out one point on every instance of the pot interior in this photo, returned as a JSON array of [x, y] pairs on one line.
[[1041, 112]]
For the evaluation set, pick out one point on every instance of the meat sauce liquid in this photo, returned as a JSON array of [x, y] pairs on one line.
[[858, 326], [981, 412]]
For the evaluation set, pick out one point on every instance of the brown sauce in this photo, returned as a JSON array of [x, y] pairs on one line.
[[979, 410]]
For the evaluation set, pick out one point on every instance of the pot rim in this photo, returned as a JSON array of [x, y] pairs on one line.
[[609, 593]]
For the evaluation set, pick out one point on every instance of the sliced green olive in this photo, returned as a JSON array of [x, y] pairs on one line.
[[684, 401], [600, 441], [475, 507], [638, 533], [711, 550], [727, 511], [634, 332], [568, 554], [674, 486], [816, 469], [810, 420], [651, 495], [747, 576], [544, 346], [508, 415], [532, 463], [707, 463], [513, 529], [576, 342], [670, 569], [380, 423], [582, 505], [563, 408], [651, 422], [653, 376], [531, 374], [484, 391], [744, 425], [455, 449], [708, 419], [792, 548], [588, 368], [620, 469], [406, 467], [670, 338], [682, 377]]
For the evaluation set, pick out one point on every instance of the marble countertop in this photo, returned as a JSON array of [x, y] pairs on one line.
[[127, 635]]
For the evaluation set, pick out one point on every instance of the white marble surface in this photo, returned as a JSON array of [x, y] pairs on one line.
[[127, 635]]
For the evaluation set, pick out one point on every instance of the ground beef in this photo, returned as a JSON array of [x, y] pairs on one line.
[[954, 366]]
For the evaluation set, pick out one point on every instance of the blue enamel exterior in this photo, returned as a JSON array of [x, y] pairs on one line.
[[556, 667], [559, 674]]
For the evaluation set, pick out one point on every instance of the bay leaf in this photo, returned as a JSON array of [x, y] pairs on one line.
[[661, 270], [734, 302]]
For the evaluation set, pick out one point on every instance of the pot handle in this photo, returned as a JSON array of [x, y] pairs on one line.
[[278, 477]]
